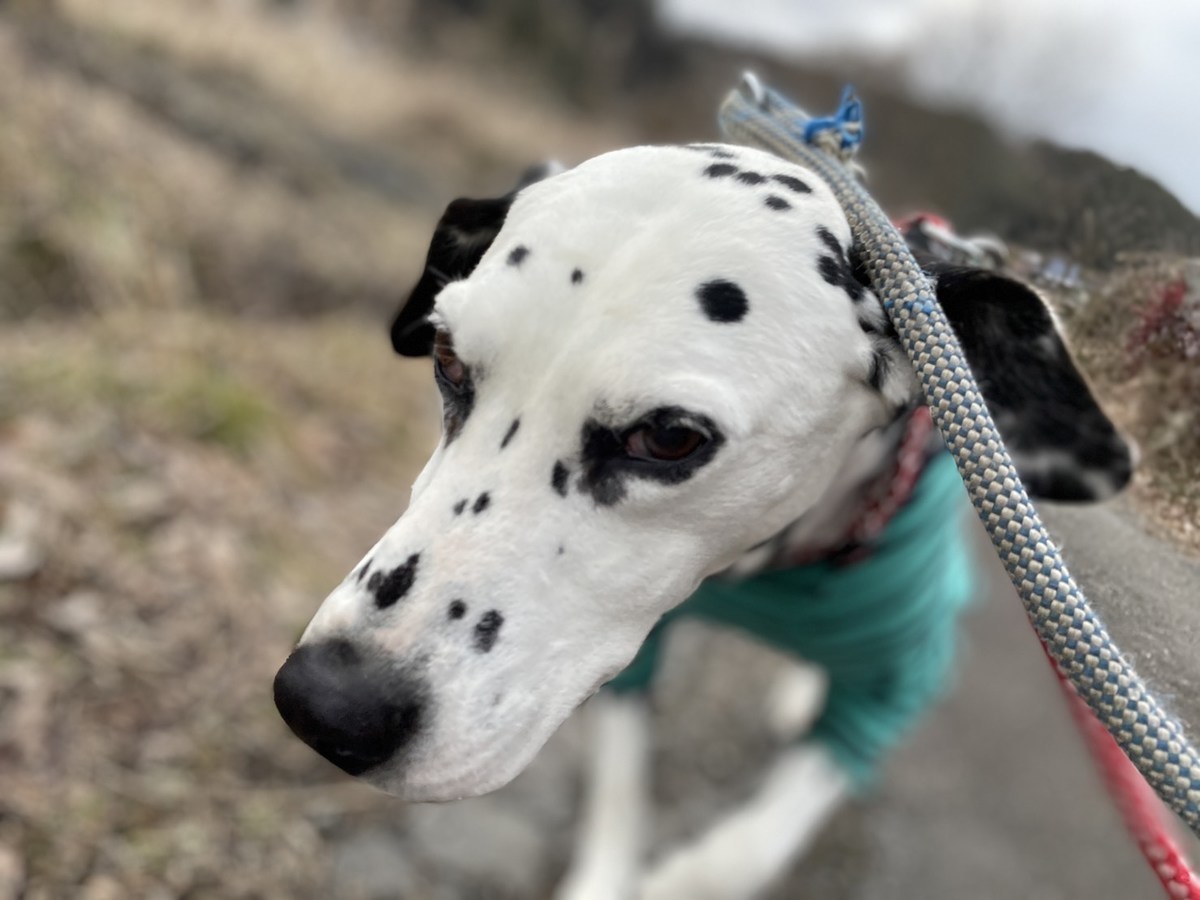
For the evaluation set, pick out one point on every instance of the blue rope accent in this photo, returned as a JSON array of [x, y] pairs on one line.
[[1069, 629], [846, 124]]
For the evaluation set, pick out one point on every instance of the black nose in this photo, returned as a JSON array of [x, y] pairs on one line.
[[351, 712]]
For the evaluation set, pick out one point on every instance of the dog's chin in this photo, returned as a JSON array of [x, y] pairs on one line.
[[474, 762], [456, 773], [442, 789]]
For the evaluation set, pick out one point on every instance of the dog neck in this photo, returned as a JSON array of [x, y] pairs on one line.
[[875, 482]]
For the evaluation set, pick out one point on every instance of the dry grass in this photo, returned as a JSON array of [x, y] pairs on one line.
[[192, 484], [490, 119], [133, 214]]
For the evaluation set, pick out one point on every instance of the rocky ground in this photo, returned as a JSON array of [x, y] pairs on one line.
[[202, 427]]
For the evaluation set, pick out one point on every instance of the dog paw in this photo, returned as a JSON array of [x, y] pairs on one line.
[[691, 875]]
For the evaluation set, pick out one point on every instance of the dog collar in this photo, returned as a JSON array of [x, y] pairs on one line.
[[885, 497]]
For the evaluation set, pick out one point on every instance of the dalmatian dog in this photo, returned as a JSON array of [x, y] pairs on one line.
[[664, 377]]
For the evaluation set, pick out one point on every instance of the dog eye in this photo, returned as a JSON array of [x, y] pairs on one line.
[[446, 364], [670, 444]]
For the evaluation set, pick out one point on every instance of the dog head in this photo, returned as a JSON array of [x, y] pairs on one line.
[[649, 364]]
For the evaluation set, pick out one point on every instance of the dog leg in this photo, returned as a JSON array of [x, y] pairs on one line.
[[743, 853], [795, 700], [608, 848]]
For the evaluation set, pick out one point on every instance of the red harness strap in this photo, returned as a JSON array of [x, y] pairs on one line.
[[1139, 806]]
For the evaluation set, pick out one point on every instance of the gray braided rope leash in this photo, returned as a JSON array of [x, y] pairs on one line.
[[1072, 633]]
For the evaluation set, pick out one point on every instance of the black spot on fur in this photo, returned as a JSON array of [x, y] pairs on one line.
[[487, 629], [778, 203], [792, 182], [577, 276], [875, 324], [395, 584], [362, 573], [836, 268], [722, 301], [459, 507], [751, 178], [829, 270], [879, 369], [712, 150], [457, 402], [603, 464], [558, 478], [561, 550], [518, 254], [607, 468], [829, 239], [720, 170], [512, 430], [481, 503], [457, 609]]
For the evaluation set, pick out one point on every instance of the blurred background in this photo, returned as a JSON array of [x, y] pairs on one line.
[[208, 210]]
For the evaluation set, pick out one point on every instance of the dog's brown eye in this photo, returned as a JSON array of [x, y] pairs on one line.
[[449, 367], [663, 444]]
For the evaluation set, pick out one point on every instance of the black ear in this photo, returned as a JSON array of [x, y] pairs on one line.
[[1063, 444], [463, 234]]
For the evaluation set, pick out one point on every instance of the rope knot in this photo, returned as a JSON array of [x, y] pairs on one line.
[[840, 134]]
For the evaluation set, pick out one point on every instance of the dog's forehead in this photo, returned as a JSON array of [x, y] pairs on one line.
[[647, 199], [650, 177], [694, 269], [654, 251]]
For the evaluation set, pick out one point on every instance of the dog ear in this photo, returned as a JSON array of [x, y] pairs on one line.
[[1064, 446], [463, 234]]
